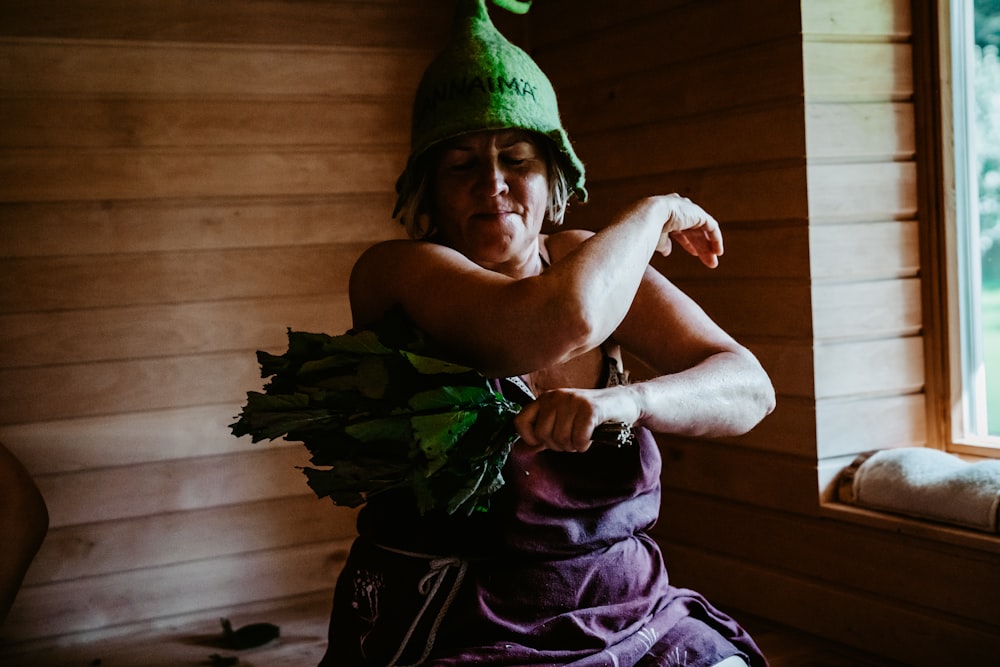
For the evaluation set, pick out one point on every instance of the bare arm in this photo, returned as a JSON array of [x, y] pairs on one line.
[[506, 326], [709, 385]]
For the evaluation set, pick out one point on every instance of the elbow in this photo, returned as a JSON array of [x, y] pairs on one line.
[[747, 399], [572, 331], [555, 329], [765, 401], [760, 398]]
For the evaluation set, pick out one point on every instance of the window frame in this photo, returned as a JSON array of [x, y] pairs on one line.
[[946, 298]]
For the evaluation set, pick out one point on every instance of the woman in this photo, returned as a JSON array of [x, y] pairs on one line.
[[560, 570]]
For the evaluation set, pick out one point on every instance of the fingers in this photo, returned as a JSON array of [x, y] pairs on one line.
[[702, 244], [558, 421], [665, 245], [694, 229]]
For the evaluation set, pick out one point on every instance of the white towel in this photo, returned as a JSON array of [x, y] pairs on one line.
[[928, 484]]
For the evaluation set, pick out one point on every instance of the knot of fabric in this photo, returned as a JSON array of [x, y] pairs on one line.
[[429, 586], [436, 573]]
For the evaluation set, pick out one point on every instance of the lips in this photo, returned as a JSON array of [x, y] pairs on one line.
[[492, 215]]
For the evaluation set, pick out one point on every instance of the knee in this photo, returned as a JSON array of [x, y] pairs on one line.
[[22, 506], [24, 522], [732, 661]]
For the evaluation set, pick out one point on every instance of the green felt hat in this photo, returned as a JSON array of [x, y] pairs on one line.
[[481, 81]]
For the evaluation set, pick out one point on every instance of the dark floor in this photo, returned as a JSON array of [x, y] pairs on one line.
[[303, 631]]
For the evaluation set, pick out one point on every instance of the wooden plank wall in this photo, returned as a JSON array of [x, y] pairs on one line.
[[793, 123], [864, 238], [179, 182]]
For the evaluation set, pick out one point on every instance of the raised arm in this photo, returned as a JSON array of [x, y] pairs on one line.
[[706, 383], [506, 325]]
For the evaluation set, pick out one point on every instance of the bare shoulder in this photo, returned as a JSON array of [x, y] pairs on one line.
[[376, 275], [388, 258], [404, 272], [563, 242]]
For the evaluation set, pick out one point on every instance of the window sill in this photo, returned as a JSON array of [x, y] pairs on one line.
[[916, 528]]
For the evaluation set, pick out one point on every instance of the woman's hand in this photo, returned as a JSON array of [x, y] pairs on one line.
[[690, 226], [564, 419]]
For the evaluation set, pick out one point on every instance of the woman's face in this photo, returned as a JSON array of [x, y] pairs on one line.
[[490, 197]]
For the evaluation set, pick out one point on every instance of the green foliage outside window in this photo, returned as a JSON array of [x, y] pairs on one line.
[[987, 135], [986, 63]]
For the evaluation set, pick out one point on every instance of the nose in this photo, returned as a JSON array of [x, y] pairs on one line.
[[491, 179]]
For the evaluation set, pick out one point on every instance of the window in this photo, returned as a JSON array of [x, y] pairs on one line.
[[974, 286]]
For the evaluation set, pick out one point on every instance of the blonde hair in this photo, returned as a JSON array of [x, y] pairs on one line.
[[415, 211]]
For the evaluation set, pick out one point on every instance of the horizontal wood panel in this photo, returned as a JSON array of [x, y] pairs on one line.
[[746, 244], [109, 494], [639, 44], [118, 280], [868, 622], [873, 131], [850, 426], [867, 309], [741, 137], [847, 19], [64, 392], [562, 26], [869, 368], [743, 194], [116, 440], [790, 429], [177, 537], [99, 174], [777, 309], [763, 479], [96, 67], [107, 334], [755, 76], [863, 191], [862, 72], [132, 598], [79, 443], [867, 250], [39, 229], [789, 363], [843, 252], [88, 122], [955, 582], [413, 23]]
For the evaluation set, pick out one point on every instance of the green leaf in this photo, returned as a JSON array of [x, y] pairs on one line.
[[383, 412], [383, 428], [349, 482], [372, 377], [450, 397], [312, 345], [432, 366], [330, 364], [465, 495], [267, 417], [436, 434]]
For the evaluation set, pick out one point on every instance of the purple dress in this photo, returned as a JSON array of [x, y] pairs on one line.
[[560, 571]]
